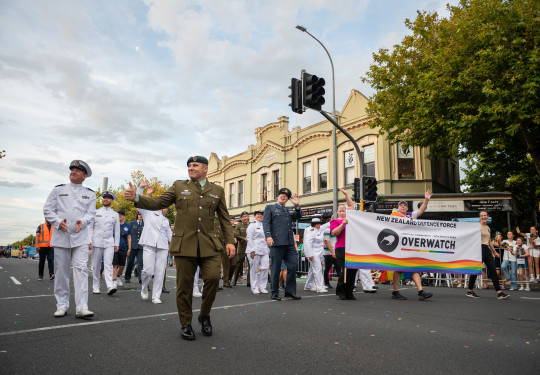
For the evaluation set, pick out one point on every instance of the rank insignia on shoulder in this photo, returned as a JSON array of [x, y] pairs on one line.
[[60, 185], [312, 229], [90, 189]]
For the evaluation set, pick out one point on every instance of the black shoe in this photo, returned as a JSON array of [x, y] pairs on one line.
[[276, 298], [206, 326], [220, 288], [52, 277], [292, 296], [472, 294], [186, 332], [165, 290], [127, 281], [342, 297], [329, 286], [424, 295], [397, 295], [136, 272], [351, 297], [40, 278], [227, 286]]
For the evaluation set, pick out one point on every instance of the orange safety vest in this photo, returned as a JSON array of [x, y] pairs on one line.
[[44, 239]]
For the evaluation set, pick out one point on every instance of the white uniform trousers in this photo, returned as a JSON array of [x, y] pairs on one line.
[[366, 279], [154, 264], [107, 253], [309, 278], [196, 281], [62, 258], [258, 271], [315, 266]]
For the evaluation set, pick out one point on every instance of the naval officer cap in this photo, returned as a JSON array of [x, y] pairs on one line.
[[108, 194], [285, 191], [259, 211], [315, 221], [197, 159], [81, 165]]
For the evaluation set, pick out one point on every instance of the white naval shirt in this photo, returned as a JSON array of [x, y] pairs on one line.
[[106, 229], [314, 240], [71, 202], [256, 241], [156, 231]]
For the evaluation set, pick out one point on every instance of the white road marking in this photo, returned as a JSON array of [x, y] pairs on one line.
[[41, 295], [15, 281], [88, 323], [1, 268], [529, 298]]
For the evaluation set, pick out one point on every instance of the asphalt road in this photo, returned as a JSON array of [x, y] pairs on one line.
[[447, 334]]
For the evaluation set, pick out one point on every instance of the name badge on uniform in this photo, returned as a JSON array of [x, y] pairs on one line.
[[85, 197], [185, 192], [64, 195]]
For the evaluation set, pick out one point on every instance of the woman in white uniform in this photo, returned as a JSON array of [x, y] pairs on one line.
[[258, 255], [155, 239], [314, 248]]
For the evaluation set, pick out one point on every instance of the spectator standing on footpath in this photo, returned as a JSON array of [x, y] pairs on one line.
[[194, 242], [136, 250], [46, 251], [71, 209], [403, 208], [510, 260], [533, 244], [522, 254], [278, 230], [155, 240], [105, 239], [488, 253], [119, 259]]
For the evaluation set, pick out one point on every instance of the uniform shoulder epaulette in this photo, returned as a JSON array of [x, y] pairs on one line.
[[312, 229], [60, 185], [181, 181], [90, 189]]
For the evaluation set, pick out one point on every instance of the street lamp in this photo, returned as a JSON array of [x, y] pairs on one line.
[[334, 141]]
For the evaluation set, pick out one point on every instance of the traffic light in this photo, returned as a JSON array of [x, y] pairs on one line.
[[356, 190], [313, 91], [369, 186], [296, 95]]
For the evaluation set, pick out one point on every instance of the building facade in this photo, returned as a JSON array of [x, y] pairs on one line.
[[301, 160]]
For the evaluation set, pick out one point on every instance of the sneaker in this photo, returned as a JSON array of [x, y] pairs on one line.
[[512, 289], [84, 314], [96, 291], [503, 287], [60, 313], [313, 289], [111, 291], [538, 278], [397, 295], [322, 291], [128, 281], [263, 291], [528, 288], [156, 300], [256, 291], [40, 278], [144, 295], [197, 294], [531, 279], [422, 295], [119, 282], [472, 294], [502, 295], [52, 277], [522, 288], [371, 290]]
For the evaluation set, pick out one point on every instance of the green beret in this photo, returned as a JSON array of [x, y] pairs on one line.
[[197, 159]]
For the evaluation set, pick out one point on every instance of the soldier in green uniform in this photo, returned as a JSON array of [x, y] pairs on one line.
[[194, 241], [240, 233]]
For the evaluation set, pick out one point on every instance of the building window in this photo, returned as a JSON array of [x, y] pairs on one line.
[[306, 177], [323, 173], [275, 181], [369, 160], [264, 187], [240, 193], [405, 162], [348, 158], [231, 194]]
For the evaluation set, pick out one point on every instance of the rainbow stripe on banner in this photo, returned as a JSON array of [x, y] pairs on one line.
[[388, 263]]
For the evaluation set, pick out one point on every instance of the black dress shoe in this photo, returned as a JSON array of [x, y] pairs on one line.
[[276, 298], [220, 288], [351, 297], [342, 297], [206, 326], [165, 290], [329, 286], [127, 281], [292, 296], [187, 332], [227, 286]]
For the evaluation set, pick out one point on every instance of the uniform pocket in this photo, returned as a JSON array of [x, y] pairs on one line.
[[176, 242], [184, 201]]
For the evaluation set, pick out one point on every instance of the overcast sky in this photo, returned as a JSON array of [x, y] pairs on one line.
[[142, 85]]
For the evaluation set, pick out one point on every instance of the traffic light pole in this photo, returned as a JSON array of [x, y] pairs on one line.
[[360, 155]]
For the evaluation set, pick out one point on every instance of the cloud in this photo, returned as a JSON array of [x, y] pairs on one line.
[[21, 185]]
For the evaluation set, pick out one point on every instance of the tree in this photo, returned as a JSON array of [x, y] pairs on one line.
[[29, 240], [464, 84]]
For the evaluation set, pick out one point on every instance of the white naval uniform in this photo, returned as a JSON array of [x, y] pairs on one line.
[[314, 247], [256, 241], [155, 239], [105, 235], [71, 202]]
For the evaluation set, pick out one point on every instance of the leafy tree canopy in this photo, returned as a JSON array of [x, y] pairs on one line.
[[466, 85]]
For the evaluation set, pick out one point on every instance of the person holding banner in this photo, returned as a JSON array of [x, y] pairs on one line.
[[488, 252], [402, 211]]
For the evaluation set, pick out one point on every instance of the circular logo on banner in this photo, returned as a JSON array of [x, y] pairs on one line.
[[387, 240]]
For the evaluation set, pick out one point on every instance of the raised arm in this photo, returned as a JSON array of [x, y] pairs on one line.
[[350, 203], [424, 205]]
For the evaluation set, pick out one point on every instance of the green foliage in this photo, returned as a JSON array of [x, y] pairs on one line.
[[464, 84], [30, 240]]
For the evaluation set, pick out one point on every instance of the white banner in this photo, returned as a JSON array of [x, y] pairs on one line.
[[393, 243]]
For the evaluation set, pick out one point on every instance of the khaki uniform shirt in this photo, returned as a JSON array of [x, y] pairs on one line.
[[195, 212]]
